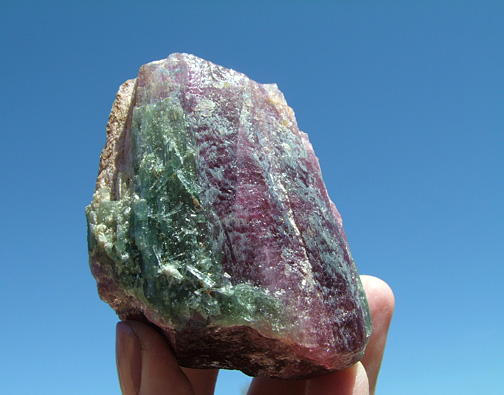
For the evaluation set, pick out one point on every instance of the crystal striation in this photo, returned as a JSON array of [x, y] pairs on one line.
[[211, 220]]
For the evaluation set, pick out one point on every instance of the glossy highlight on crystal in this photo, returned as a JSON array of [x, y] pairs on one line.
[[211, 220]]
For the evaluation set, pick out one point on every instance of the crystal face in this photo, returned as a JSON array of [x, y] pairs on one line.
[[211, 220]]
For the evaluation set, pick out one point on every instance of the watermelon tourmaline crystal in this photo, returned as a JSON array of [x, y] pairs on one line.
[[211, 220]]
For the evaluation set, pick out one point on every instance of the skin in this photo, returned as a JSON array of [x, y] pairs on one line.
[[147, 366]]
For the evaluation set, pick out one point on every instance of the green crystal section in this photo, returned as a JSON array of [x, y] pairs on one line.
[[162, 239]]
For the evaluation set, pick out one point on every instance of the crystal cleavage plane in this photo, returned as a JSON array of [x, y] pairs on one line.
[[210, 220]]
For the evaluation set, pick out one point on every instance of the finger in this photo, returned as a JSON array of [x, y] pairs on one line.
[[265, 385], [128, 359], [202, 380], [351, 381], [140, 346], [381, 305]]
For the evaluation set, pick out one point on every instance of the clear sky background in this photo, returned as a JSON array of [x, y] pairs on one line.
[[402, 100]]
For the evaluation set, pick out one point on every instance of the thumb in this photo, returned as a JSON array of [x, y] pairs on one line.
[[146, 364]]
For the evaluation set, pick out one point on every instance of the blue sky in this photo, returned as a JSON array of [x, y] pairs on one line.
[[403, 102]]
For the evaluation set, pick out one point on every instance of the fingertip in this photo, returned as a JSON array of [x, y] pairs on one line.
[[203, 380], [128, 359], [266, 385], [351, 381], [361, 386], [379, 294], [157, 371], [381, 302]]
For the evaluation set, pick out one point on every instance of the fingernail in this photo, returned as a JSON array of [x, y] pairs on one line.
[[361, 385], [128, 359]]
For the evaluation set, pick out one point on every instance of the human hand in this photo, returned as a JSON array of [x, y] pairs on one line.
[[147, 365]]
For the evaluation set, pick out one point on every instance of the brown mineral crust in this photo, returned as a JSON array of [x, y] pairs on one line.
[[246, 349], [116, 153], [126, 306]]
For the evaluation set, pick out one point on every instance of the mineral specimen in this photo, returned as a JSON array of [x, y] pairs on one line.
[[210, 219]]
